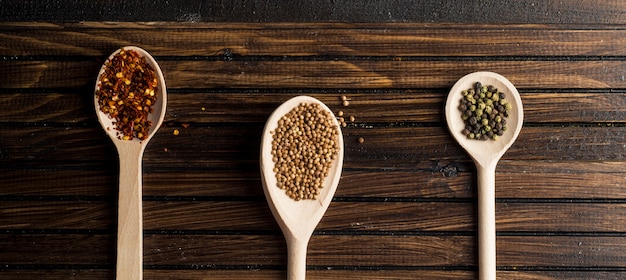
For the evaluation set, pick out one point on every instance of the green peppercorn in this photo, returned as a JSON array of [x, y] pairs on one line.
[[488, 109], [484, 111]]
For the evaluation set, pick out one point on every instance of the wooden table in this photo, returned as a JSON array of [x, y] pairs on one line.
[[405, 207]]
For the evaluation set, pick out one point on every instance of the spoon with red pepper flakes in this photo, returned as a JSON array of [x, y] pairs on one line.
[[130, 100]]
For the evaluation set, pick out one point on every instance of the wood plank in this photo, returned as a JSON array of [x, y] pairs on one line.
[[324, 250], [329, 274], [312, 39], [343, 218], [560, 217], [264, 274], [57, 249], [560, 251], [382, 274], [70, 215], [327, 250], [439, 179], [326, 74], [57, 274], [568, 11], [367, 106], [388, 148]]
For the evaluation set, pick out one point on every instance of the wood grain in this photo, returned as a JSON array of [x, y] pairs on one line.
[[405, 106], [234, 40], [328, 74], [405, 207], [343, 217], [434, 11]]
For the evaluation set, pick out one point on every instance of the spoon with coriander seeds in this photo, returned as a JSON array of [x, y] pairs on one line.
[[130, 100], [485, 115], [301, 161]]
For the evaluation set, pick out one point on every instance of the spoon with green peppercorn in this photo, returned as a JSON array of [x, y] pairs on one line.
[[292, 136], [130, 101], [484, 151]]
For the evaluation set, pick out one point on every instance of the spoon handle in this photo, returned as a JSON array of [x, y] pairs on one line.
[[296, 259], [486, 222], [129, 227]]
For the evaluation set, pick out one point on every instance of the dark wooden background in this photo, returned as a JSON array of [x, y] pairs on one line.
[[405, 207]]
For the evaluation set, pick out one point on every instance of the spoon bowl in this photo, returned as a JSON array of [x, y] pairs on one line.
[[484, 151], [297, 219], [158, 114], [486, 155], [130, 216]]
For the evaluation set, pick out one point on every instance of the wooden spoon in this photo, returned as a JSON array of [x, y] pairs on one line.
[[297, 219], [129, 228], [485, 155]]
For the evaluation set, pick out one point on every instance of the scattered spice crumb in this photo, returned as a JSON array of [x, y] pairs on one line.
[[165, 150], [185, 125], [176, 132], [203, 109], [361, 140]]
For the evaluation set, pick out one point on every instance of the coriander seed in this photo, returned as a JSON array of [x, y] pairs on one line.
[[304, 146]]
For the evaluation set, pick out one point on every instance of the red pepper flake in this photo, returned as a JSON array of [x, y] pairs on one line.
[[184, 125], [127, 92]]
